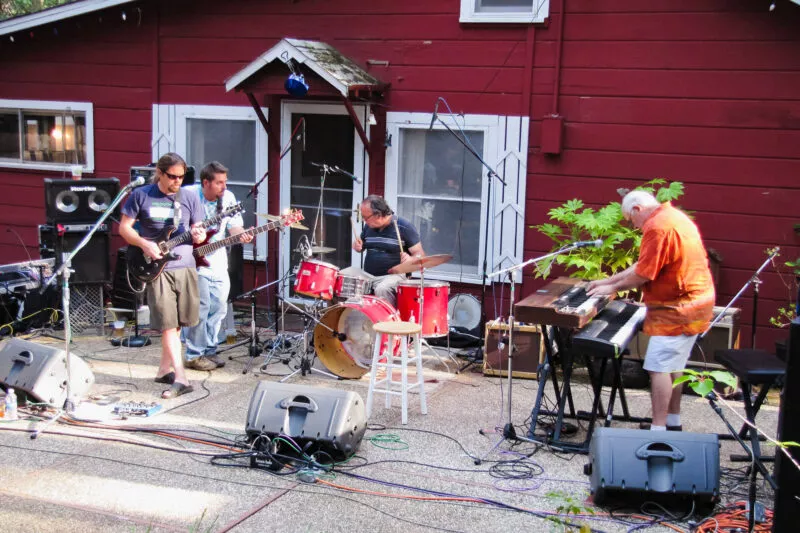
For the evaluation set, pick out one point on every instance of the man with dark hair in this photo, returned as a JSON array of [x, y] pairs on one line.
[[213, 280], [381, 241], [673, 272], [172, 296]]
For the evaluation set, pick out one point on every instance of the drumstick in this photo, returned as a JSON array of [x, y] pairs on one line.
[[353, 228], [399, 240]]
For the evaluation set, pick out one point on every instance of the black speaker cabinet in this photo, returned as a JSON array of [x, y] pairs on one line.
[[92, 264], [635, 464], [316, 418], [787, 506], [40, 371], [528, 353], [69, 201]]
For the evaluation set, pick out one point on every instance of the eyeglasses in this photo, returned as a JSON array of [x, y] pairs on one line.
[[370, 217], [174, 176]]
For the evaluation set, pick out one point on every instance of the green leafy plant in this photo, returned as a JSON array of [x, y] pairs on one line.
[[702, 382], [568, 505], [573, 221], [785, 314]]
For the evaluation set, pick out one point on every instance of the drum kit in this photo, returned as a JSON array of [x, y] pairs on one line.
[[343, 311]]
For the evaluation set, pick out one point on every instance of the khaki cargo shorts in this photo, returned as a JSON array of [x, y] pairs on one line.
[[174, 299]]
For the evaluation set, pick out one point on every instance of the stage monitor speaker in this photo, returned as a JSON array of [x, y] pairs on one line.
[[635, 464], [316, 418], [92, 264], [69, 201], [528, 354], [787, 506], [40, 371]]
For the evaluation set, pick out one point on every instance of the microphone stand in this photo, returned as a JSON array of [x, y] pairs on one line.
[[754, 279], [64, 271], [490, 174], [254, 350], [508, 429]]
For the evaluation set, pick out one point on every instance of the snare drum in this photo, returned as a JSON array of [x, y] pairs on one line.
[[351, 358], [316, 279], [434, 315], [351, 286]]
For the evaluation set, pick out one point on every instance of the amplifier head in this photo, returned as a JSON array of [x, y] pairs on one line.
[[69, 201]]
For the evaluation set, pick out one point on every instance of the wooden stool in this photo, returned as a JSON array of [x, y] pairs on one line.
[[389, 361]]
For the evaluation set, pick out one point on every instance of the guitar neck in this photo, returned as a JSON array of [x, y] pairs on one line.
[[186, 236], [233, 239]]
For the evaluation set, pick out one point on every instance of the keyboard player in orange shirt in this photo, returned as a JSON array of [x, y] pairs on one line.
[[678, 290]]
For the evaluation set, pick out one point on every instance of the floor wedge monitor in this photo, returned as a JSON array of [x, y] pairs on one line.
[[40, 371]]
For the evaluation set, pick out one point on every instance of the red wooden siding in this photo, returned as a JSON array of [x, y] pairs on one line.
[[700, 91]]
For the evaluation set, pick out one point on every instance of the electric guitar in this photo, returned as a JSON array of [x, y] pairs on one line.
[[204, 248], [146, 269]]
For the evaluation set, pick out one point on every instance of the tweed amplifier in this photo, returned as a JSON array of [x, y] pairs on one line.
[[528, 351]]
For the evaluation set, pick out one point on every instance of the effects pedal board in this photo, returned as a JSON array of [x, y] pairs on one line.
[[136, 409]]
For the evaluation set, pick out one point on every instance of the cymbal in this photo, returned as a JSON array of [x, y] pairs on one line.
[[322, 250], [416, 264], [273, 218]]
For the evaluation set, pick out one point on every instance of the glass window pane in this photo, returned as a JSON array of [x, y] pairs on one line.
[[9, 134], [447, 227], [433, 163], [54, 137], [231, 142], [504, 6], [240, 192]]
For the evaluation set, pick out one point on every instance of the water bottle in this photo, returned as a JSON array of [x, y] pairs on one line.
[[11, 405]]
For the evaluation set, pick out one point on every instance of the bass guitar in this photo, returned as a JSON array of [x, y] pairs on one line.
[[204, 248], [146, 269]]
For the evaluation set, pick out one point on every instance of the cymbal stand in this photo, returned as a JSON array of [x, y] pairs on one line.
[[306, 365], [320, 218]]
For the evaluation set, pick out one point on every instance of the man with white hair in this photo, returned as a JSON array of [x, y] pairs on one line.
[[673, 272]]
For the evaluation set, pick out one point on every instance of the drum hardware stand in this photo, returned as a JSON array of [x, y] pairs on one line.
[[135, 340], [306, 363], [255, 348], [490, 175], [320, 218]]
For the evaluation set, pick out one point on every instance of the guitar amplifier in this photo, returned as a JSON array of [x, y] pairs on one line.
[[640, 464], [528, 353], [316, 418]]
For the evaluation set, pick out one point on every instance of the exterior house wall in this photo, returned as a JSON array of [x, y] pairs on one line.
[[699, 91]]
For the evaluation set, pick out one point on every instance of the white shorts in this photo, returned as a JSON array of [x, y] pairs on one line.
[[668, 353]]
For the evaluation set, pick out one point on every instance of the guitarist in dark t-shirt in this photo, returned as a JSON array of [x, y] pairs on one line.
[[380, 240], [173, 295]]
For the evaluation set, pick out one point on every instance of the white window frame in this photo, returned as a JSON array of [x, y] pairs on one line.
[[51, 105], [169, 135], [505, 146], [360, 164], [539, 12]]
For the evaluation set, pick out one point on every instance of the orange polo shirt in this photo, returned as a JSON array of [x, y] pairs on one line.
[[680, 294]]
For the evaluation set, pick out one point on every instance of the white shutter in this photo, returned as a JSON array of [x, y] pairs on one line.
[[164, 128], [508, 214]]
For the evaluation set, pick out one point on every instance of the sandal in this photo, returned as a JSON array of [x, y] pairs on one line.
[[177, 389], [168, 378]]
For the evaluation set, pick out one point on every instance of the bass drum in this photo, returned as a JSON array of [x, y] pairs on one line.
[[351, 358]]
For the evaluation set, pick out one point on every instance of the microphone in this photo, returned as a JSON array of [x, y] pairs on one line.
[[346, 173], [435, 114], [136, 183], [586, 244]]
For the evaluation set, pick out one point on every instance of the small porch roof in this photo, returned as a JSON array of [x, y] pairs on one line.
[[343, 74]]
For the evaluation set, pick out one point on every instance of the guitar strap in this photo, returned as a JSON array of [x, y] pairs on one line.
[[176, 210]]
